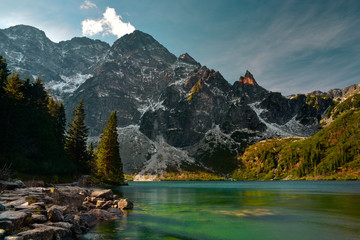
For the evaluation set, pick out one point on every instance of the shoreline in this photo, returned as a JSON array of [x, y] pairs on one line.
[[64, 211]]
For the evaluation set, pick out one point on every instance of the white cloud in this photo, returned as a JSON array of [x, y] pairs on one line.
[[110, 24], [87, 4]]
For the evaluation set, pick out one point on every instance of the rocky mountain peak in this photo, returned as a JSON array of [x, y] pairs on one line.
[[248, 79], [24, 32], [141, 45], [187, 59]]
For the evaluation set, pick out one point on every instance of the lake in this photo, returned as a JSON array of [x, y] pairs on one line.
[[237, 210]]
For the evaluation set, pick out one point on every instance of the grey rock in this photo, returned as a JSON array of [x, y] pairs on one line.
[[116, 212], [4, 185], [38, 218], [2, 207], [103, 215], [7, 225], [2, 233], [87, 220], [55, 215], [105, 194], [18, 219], [44, 232]]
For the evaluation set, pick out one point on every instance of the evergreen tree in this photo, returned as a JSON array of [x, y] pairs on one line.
[[76, 137], [91, 156], [13, 87], [57, 111], [4, 72], [108, 162]]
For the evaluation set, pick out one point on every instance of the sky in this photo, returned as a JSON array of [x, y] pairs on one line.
[[290, 46]]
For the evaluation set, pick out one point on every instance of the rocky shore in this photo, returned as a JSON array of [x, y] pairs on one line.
[[57, 212]]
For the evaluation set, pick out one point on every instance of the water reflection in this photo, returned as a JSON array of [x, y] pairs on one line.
[[239, 210]]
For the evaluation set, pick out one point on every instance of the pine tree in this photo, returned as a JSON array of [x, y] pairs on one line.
[[13, 87], [108, 161], [4, 72], [76, 137]]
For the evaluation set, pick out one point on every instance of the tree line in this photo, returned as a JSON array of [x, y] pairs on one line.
[[34, 139]]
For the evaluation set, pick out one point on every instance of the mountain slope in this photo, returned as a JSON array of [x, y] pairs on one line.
[[332, 153]]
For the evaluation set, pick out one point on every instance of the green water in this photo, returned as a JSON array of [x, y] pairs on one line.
[[237, 210]]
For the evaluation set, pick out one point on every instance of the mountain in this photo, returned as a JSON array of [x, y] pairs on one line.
[[332, 153], [173, 113], [62, 66]]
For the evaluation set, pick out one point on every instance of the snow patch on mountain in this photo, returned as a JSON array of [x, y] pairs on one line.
[[69, 83], [165, 156], [292, 128]]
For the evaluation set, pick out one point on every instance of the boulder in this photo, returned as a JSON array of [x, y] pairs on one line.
[[44, 232], [68, 195], [102, 215], [16, 203], [4, 185], [2, 208], [88, 220], [59, 224], [55, 215], [106, 194], [116, 212], [63, 209], [18, 219], [7, 225], [125, 203], [69, 218], [107, 205], [88, 206], [38, 218], [2, 233]]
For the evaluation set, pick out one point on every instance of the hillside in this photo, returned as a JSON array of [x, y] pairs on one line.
[[332, 153]]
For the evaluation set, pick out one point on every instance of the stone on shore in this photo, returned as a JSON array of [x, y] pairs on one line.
[[55, 215], [7, 225], [106, 194], [88, 220], [45, 232], [125, 203], [2, 208], [18, 219], [4, 185], [38, 218], [61, 212]]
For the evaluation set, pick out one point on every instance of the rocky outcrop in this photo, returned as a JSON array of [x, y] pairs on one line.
[[60, 212]]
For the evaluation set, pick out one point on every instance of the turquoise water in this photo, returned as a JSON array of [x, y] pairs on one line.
[[237, 210]]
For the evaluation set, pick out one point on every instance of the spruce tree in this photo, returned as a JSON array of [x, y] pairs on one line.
[[13, 87], [4, 72], [76, 137], [108, 161]]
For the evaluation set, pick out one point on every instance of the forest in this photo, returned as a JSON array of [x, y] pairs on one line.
[[36, 140]]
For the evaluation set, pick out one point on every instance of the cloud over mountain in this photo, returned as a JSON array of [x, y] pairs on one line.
[[109, 24]]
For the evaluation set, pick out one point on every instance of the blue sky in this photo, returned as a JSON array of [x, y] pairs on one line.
[[289, 46]]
